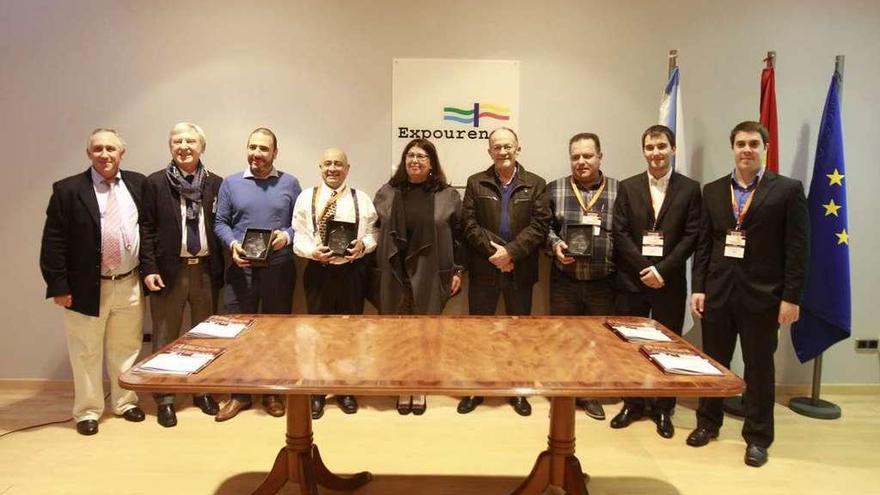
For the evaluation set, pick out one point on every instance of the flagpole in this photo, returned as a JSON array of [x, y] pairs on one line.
[[673, 62], [813, 406]]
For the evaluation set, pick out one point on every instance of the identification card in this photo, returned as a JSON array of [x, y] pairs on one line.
[[735, 244], [595, 220], [652, 243]]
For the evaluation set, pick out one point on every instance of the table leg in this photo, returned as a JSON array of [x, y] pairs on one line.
[[300, 462], [557, 465]]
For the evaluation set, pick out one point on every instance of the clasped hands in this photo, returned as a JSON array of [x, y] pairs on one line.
[[501, 258]]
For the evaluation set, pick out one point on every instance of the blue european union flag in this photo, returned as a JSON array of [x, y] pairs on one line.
[[825, 317]]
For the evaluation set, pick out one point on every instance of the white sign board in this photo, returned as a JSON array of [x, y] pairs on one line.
[[455, 104]]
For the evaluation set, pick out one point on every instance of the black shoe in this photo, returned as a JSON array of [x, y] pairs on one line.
[[166, 416], [625, 417], [347, 403], [756, 456], [207, 404], [521, 406], [701, 436], [318, 402], [404, 404], [135, 415], [664, 424], [419, 404], [87, 427], [468, 404], [592, 407]]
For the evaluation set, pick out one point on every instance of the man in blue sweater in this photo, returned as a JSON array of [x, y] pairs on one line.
[[261, 197]]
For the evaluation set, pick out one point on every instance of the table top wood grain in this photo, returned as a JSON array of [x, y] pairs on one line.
[[553, 356]]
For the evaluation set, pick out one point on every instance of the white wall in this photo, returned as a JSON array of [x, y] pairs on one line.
[[319, 73]]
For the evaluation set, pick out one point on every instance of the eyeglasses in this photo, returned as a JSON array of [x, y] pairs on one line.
[[417, 156]]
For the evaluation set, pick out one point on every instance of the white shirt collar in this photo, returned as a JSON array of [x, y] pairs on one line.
[[662, 181], [99, 179], [248, 174]]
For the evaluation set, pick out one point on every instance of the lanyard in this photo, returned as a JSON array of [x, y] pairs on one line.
[[740, 214], [580, 197]]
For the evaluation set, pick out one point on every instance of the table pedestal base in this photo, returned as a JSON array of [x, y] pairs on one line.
[[557, 465], [300, 462]]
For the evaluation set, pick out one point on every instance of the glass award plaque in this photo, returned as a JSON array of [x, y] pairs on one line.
[[339, 236], [579, 239], [257, 244]]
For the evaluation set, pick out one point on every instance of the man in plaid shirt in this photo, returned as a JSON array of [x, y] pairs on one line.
[[582, 206]]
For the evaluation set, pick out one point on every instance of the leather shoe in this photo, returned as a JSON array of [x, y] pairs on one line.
[[756, 456], [468, 404], [521, 406], [701, 436], [87, 427], [273, 405], [318, 402], [166, 416], [207, 404], [231, 408], [404, 404], [419, 404], [135, 415], [347, 403], [625, 417], [664, 424], [592, 407]]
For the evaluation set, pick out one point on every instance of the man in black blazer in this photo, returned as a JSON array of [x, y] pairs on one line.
[[748, 277], [655, 229], [89, 260], [181, 257]]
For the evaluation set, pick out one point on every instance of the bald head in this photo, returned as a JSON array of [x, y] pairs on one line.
[[334, 167]]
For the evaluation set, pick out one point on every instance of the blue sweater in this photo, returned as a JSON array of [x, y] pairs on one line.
[[248, 202]]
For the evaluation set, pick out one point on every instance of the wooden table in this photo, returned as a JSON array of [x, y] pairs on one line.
[[556, 357]]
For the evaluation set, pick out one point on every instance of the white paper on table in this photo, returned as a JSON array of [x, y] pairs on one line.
[[209, 328], [178, 364], [686, 364], [646, 334]]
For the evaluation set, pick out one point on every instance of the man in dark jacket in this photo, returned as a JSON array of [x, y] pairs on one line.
[[181, 257], [89, 260], [505, 218], [656, 224]]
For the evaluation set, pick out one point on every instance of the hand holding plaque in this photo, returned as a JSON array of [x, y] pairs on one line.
[[579, 239], [340, 236], [256, 245]]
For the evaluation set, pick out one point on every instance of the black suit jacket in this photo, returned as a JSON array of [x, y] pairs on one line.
[[678, 219], [162, 229], [777, 245], [70, 253]]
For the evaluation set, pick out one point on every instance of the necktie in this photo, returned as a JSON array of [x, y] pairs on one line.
[[111, 245], [193, 240], [329, 213]]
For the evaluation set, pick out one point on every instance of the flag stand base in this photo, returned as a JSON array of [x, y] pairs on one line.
[[734, 406], [814, 408]]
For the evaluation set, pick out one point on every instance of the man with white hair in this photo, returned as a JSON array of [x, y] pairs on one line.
[[181, 256], [89, 260]]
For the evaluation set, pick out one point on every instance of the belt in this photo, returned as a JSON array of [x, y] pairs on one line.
[[120, 276], [194, 260]]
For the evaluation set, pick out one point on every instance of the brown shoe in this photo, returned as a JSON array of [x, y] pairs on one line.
[[230, 409], [273, 405]]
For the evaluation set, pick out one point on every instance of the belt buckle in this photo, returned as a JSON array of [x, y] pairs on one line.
[[192, 260]]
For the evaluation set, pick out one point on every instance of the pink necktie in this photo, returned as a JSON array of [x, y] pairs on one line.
[[111, 246]]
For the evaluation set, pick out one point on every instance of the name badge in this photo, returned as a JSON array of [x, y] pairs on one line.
[[735, 244], [652, 243], [595, 220]]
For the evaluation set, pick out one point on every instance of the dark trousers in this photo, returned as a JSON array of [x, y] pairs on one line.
[[335, 289], [483, 299], [265, 290], [668, 309], [569, 296], [758, 334], [191, 285]]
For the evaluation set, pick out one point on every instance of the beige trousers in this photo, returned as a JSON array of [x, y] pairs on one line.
[[119, 327]]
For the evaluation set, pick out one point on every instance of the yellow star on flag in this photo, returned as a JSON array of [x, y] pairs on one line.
[[835, 178], [831, 208], [842, 237]]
